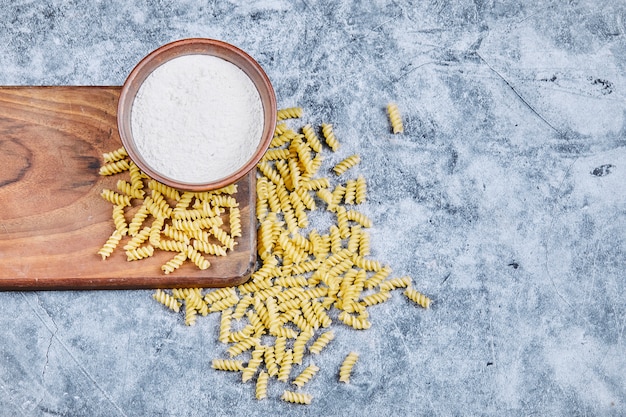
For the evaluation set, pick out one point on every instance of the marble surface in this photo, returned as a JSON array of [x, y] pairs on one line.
[[505, 200]]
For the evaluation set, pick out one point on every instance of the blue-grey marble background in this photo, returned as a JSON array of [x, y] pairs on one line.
[[505, 200]]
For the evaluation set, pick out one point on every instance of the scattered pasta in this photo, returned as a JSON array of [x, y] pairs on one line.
[[308, 281], [193, 225]]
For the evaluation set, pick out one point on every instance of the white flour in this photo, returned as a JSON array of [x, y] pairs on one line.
[[197, 119]]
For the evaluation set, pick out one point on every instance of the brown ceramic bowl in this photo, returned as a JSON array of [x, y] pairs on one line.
[[197, 46]]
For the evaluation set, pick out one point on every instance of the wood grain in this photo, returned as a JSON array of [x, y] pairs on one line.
[[52, 218]]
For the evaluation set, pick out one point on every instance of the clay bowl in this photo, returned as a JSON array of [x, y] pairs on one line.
[[196, 46]]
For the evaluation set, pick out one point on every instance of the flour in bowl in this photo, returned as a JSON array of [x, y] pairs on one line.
[[197, 119]]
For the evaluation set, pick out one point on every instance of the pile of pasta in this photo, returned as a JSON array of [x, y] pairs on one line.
[[149, 216], [308, 280]]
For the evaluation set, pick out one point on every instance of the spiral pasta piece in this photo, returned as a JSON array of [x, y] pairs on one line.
[[395, 118], [166, 190], [139, 253], [242, 346], [115, 198], [306, 375], [115, 155], [329, 136], [289, 113], [285, 366], [227, 365], [115, 167], [261, 385], [346, 164], [393, 283], [361, 190], [345, 371], [191, 315], [174, 263], [127, 188], [167, 300], [311, 138], [321, 342], [417, 297], [296, 397], [110, 244]]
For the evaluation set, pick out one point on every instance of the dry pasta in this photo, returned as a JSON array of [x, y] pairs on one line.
[[191, 224], [345, 371], [417, 297], [289, 113], [306, 375], [296, 397], [261, 385], [287, 311], [395, 118], [346, 164]]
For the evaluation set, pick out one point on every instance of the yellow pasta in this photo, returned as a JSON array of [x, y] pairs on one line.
[[110, 244], [306, 375], [120, 220], [261, 385], [304, 276], [227, 365], [395, 118], [127, 188], [417, 297], [167, 300], [329, 135], [321, 342], [345, 371], [174, 263], [115, 198], [296, 397], [402, 282], [289, 113], [114, 167], [115, 155], [139, 253], [359, 217], [311, 138], [346, 164], [285, 366]]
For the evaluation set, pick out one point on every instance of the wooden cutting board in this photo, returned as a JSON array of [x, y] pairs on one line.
[[53, 220]]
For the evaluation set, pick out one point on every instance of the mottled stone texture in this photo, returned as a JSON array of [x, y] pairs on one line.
[[505, 200]]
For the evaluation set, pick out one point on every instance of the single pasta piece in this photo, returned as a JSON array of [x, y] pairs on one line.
[[305, 376], [321, 342], [285, 366], [289, 113], [311, 138], [115, 155], [120, 220], [417, 297], [167, 300], [329, 136], [174, 263], [140, 253], [114, 167], [395, 118], [393, 283], [345, 370], [346, 164], [227, 365], [296, 397], [261, 385], [110, 244], [115, 198]]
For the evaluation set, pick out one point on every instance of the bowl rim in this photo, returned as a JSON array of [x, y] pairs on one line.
[[191, 46]]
